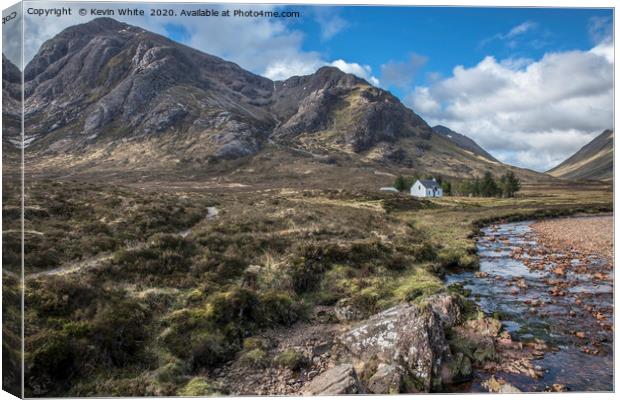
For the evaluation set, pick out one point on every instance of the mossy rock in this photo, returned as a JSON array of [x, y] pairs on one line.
[[478, 348]]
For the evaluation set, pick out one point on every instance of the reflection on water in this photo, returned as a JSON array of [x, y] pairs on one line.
[[570, 310]]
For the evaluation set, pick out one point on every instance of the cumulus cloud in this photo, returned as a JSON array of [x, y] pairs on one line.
[[362, 71], [529, 113], [402, 73]]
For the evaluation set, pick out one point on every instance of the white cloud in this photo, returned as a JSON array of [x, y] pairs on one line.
[[299, 64], [530, 113], [402, 73], [521, 29], [330, 22], [511, 36], [362, 71]]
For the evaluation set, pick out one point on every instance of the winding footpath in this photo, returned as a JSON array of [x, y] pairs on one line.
[[98, 260]]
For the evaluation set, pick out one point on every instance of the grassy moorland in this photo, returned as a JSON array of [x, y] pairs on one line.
[[142, 291]]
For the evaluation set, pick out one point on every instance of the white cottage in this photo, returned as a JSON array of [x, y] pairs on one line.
[[426, 188]]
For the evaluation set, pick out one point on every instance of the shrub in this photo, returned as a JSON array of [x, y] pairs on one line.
[[291, 359], [366, 301], [405, 203], [164, 254], [119, 330], [255, 342], [419, 285], [172, 372], [55, 360], [237, 305], [59, 296], [279, 308], [423, 252], [451, 258], [181, 325], [197, 387], [256, 358], [209, 349], [306, 274], [315, 259]]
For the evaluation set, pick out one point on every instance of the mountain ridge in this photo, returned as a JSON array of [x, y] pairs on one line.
[[464, 141], [594, 161]]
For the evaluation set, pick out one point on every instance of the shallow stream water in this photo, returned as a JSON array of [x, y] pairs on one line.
[[571, 312]]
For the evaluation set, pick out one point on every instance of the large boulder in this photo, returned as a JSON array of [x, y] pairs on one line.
[[341, 379], [406, 335]]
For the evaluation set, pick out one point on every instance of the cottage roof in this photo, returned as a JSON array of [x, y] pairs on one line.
[[430, 184]]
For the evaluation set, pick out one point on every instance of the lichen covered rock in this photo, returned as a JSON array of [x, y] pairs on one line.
[[406, 335]]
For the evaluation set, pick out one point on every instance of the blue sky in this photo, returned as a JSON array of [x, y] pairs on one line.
[[444, 36], [531, 85]]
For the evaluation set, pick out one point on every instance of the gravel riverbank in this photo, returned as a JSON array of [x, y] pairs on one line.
[[586, 235]]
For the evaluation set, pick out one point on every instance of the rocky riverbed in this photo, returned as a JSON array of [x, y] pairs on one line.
[[551, 285]]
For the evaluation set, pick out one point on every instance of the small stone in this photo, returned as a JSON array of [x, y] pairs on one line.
[[558, 387], [499, 386]]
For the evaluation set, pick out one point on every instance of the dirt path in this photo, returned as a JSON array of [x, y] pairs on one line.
[[586, 235], [93, 262], [74, 266]]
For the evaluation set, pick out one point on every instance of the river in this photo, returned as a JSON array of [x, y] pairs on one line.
[[555, 297]]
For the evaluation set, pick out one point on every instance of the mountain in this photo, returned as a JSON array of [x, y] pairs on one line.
[[11, 104], [103, 80], [107, 95], [594, 161], [463, 141]]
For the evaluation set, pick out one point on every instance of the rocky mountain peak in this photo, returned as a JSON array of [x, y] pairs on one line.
[[105, 82]]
